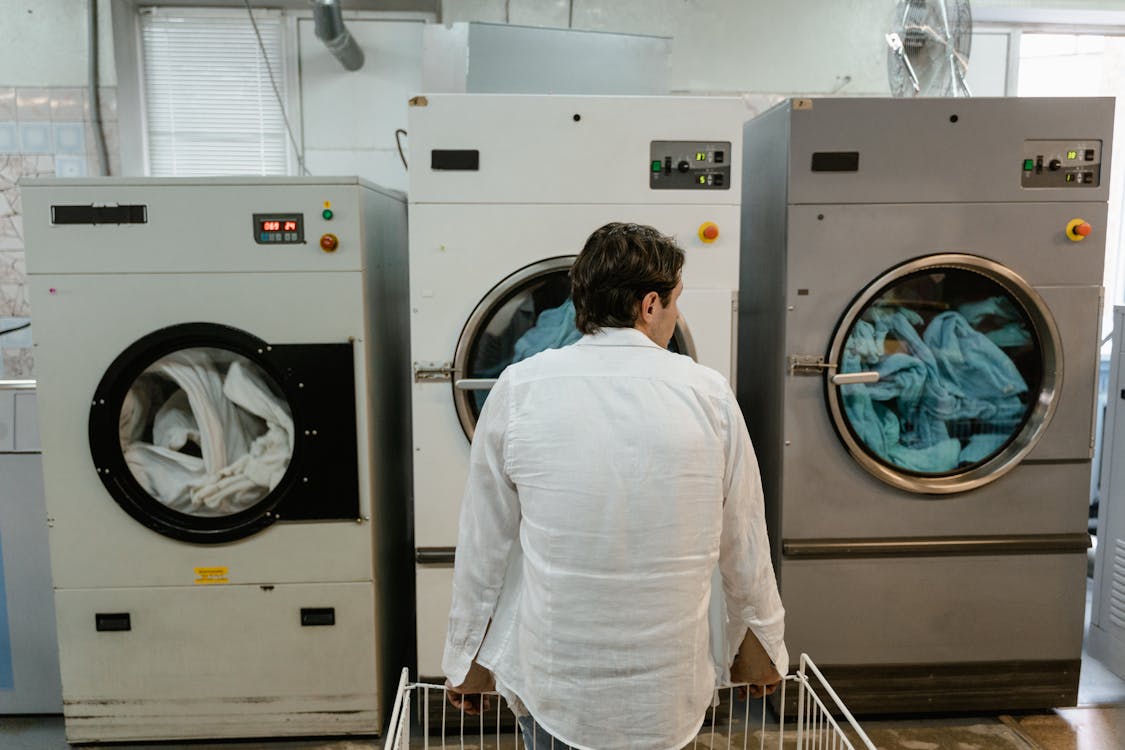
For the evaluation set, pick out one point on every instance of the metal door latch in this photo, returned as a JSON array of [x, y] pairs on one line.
[[808, 364], [433, 372], [812, 364]]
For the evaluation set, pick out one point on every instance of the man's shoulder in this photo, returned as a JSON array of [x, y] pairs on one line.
[[648, 362], [701, 375]]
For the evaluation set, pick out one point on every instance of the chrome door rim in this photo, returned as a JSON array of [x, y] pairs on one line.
[[484, 311], [1034, 425]]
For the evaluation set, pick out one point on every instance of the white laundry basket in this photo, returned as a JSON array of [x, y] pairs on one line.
[[813, 725]]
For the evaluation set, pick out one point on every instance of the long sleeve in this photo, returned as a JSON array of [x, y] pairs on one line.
[[749, 584], [489, 525]]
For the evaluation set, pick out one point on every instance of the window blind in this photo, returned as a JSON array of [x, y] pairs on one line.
[[210, 106]]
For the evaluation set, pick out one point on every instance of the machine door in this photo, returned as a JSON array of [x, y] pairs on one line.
[[526, 313], [947, 370], [206, 434]]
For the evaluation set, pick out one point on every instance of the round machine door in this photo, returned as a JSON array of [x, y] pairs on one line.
[[947, 372], [526, 313], [206, 434]]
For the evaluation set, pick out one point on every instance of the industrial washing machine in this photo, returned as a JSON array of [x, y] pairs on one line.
[[918, 351], [220, 364], [504, 191]]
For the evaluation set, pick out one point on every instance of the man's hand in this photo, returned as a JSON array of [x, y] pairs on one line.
[[753, 666], [467, 696]]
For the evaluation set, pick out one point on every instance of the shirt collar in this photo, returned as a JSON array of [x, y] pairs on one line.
[[617, 337]]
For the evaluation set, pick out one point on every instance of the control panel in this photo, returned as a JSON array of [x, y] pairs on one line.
[[279, 229], [689, 165], [1062, 164]]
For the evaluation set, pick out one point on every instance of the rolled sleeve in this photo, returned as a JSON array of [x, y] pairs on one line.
[[749, 585], [489, 526]]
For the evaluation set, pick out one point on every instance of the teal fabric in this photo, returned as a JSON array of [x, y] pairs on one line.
[[1002, 319], [554, 329], [949, 376]]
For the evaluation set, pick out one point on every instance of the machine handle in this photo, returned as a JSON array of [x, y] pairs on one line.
[[475, 384], [848, 378]]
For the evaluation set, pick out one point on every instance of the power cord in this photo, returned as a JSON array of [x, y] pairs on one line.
[[276, 91], [6, 331], [399, 144]]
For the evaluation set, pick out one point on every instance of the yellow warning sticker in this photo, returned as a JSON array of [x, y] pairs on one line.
[[211, 575]]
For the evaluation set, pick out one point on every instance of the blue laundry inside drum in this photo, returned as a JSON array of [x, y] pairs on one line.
[[949, 394]]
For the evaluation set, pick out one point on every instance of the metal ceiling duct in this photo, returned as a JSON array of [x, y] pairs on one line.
[[330, 29]]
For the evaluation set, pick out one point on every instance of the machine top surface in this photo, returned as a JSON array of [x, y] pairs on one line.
[[540, 149], [219, 181], [940, 150]]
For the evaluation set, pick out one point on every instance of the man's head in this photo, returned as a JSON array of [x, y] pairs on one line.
[[628, 276]]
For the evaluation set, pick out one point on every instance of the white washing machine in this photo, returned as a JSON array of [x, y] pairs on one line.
[[219, 363], [921, 295], [504, 191]]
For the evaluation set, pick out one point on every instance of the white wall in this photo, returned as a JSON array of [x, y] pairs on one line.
[[43, 43], [779, 46]]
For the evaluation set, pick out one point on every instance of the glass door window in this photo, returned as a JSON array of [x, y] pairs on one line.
[[206, 432], [526, 313], [945, 370]]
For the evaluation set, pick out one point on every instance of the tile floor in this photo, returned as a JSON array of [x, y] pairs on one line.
[[1097, 723]]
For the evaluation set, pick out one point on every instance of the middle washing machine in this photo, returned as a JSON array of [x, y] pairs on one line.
[[504, 191], [921, 289]]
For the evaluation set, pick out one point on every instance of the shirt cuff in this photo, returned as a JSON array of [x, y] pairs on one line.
[[455, 665]]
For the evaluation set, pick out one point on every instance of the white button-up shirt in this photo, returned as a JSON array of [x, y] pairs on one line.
[[607, 480]]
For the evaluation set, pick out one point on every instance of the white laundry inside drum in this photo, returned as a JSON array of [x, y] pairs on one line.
[[206, 432]]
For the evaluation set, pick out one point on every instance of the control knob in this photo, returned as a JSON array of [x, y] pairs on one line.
[[683, 166], [1054, 165]]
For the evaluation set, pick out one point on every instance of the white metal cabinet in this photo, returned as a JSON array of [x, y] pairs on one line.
[[29, 652], [1106, 638]]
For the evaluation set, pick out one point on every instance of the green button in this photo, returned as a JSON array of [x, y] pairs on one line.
[[657, 165], [326, 213], [1028, 165]]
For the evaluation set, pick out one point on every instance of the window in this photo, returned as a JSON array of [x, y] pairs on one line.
[[1061, 54], [1086, 64], [210, 106]]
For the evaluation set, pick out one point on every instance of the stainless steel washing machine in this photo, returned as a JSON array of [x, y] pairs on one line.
[[918, 344]]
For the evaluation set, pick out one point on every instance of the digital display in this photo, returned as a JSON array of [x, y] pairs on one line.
[[275, 225], [279, 229]]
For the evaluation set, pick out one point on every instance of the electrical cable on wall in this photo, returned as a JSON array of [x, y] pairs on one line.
[[95, 102], [398, 143], [13, 329], [276, 91]]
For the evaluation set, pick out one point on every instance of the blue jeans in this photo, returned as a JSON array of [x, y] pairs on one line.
[[536, 737]]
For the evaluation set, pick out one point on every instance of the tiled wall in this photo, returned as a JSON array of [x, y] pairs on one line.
[[43, 132]]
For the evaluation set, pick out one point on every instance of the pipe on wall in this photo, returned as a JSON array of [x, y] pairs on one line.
[[330, 29]]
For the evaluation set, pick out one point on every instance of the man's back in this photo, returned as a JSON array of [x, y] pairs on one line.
[[617, 450], [606, 480]]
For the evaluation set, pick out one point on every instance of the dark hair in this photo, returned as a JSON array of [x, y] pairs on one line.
[[618, 266]]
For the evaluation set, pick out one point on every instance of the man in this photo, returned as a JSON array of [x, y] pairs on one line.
[[607, 479]]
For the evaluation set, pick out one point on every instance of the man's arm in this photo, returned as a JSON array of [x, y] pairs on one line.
[[489, 525], [757, 619]]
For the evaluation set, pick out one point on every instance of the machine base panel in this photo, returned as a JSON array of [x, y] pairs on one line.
[[952, 688]]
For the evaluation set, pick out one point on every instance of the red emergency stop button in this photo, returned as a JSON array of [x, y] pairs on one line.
[[708, 231], [329, 243], [1078, 230]]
